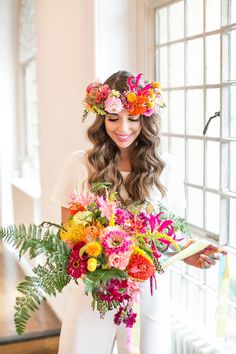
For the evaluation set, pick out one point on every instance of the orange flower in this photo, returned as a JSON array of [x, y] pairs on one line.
[[140, 266], [139, 106]]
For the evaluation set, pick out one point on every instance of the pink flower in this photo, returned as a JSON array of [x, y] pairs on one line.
[[134, 291], [116, 241], [149, 112], [85, 198], [119, 261], [113, 105], [105, 207]]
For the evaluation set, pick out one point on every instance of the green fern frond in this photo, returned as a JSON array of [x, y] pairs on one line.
[[33, 297], [36, 240], [48, 279]]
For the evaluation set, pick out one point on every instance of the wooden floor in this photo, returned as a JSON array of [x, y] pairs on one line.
[[42, 332]]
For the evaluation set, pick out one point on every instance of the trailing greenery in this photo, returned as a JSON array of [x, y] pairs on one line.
[[94, 279], [48, 279]]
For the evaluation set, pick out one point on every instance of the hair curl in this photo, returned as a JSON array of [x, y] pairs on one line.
[[146, 165]]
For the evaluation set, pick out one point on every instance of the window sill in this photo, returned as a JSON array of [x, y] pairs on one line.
[[29, 187]]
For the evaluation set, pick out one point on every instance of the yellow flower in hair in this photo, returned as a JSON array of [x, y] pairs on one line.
[[155, 84], [93, 249], [131, 97], [151, 104], [92, 264], [73, 232]]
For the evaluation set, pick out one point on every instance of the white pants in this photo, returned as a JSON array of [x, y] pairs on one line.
[[83, 332]]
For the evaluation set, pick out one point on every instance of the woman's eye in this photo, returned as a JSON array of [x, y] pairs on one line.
[[112, 119]]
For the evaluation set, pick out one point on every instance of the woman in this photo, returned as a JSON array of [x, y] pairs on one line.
[[125, 137]]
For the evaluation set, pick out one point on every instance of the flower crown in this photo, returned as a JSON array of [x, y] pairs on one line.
[[100, 99]]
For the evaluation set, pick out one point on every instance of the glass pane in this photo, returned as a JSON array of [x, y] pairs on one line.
[[232, 111], [162, 66], [213, 15], [176, 20], [177, 148], [212, 212], [163, 113], [177, 65], [212, 279], [232, 223], [212, 106], [195, 113], [233, 11], [232, 167], [195, 161], [195, 17], [161, 25], [195, 62], [164, 143], [232, 59], [213, 164], [176, 111], [213, 59], [195, 206]]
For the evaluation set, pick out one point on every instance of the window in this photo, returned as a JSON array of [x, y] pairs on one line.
[[29, 143], [195, 64]]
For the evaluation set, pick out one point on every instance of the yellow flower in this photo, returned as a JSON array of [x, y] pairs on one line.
[[93, 249], [92, 264], [131, 97], [112, 220], [155, 84], [151, 104], [73, 232]]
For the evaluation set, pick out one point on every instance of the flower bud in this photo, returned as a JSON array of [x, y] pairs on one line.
[[92, 264]]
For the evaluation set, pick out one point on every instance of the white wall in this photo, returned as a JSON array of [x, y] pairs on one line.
[[65, 61], [8, 59]]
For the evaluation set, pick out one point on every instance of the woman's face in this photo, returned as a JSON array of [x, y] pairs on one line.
[[122, 128]]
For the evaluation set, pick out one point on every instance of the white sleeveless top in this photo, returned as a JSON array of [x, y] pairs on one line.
[[75, 174]]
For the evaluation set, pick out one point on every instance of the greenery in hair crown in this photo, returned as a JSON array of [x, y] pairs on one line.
[[101, 99]]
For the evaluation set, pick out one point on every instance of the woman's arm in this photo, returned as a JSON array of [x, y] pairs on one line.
[[65, 213]]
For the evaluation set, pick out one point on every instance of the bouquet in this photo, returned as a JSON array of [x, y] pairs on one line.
[[112, 248]]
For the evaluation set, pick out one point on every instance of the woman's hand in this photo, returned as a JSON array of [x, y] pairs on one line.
[[205, 258]]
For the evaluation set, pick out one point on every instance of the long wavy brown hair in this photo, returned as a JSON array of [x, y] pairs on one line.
[[146, 165]]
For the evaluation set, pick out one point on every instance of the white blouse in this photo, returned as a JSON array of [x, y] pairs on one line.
[[75, 175]]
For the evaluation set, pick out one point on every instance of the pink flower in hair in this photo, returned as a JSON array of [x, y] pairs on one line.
[[113, 105]]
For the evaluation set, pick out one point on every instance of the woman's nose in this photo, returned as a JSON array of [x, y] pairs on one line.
[[123, 125]]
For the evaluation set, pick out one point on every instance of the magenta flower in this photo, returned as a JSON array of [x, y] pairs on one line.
[[77, 266], [116, 241], [121, 216]]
